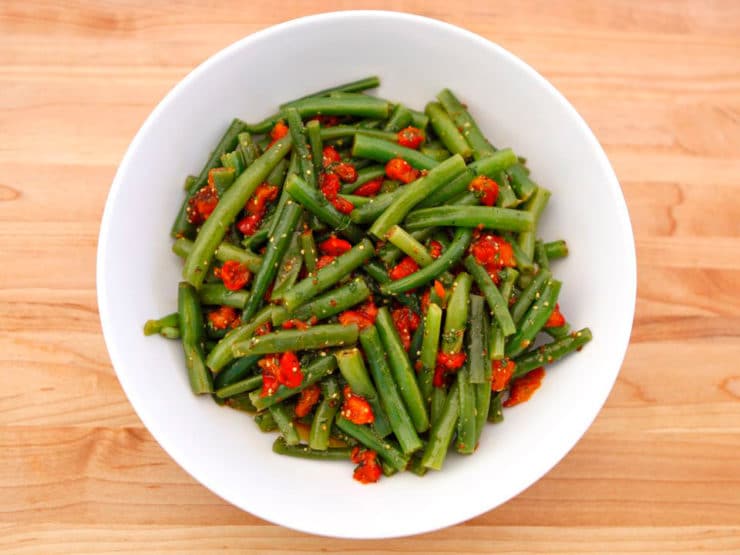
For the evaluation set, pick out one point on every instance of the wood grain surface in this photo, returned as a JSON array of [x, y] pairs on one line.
[[658, 472]]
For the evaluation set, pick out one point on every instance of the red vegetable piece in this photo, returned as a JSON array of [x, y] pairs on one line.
[[400, 170], [279, 131], [335, 246], [451, 361], [406, 267], [523, 388], [290, 370], [270, 370], [406, 323], [356, 409], [410, 137], [330, 156], [343, 205], [329, 185], [435, 248], [556, 319], [502, 370], [223, 317], [324, 261], [368, 470], [485, 188], [346, 172], [307, 400], [235, 275], [202, 204]]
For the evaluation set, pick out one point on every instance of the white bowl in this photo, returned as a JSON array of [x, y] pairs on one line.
[[415, 58]]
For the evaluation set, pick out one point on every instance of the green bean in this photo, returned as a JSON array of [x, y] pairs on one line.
[[223, 178], [483, 394], [248, 148], [457, 314], [540, 256], [181, 227], [182, 247], [551, 352], [316, 203], [290, 267], [300, 146], [354, 371], [465, 122], [528, 296], [437, 153], [189, 182], [276, 249], [400, 118], [221, 355], [327, 276], [354, 86], [355, 105], [558, 332], [213, 230], [453, 189], [313, 130], [506, 197], [321, 424], [368, 438], [419, 119], [238, 402], [556, 249], [316, 372], [409, 245], [523, 186], [429, 349], [389, 253], [218, 294], [308, 249], [403, 373], [235, 372], [281, 447], [496, 409], [498, 305], [413, 193], [415, 345], [363, 176], [534, 320], [398, 416], [315, 337], [466, 421], [170, 332], [477, 347], [372, 210], [233, 161], [442, 430], [191, 332], [383, 151], [446, 260], [244, 386], [284, 420], [266, 423], [446, 130], [152, 327], [490, 217], [327, 305], [535, 205], [340, 132], [439, 396]]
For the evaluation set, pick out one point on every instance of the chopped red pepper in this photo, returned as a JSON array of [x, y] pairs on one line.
[[264, 329], [494, 253], [329, 185], [309, 397], [426, 301], [439, 289], [324, 261], [370, 189], [346, 172], [406, 323], [502, 370], [406, 267], [368, 470], [279, 131], [435, 248], [556, 319], [451, 361], [343, 205], [335, 246], [290, 370], [223, 317], [270, 369], [364, 316], [410, 137], [235, 275], [330, 156], [202, 204], [256, 207], [295, 324], [439, 376], [523, 388], [249, 224], [400, 170], [356, 409], [485, 188]]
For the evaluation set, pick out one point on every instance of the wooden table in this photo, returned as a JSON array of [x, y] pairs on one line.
[[658, 472]]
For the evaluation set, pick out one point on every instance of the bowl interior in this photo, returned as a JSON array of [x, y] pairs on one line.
[[415, 57]]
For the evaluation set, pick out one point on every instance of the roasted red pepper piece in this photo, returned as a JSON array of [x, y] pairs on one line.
[[324, 261], [494, 253], [370, 189], [435, 248], [556, 319], [235, 275], [270, 369], [343, 205], [223, 317], [263, 329], [363, 316], [368, 470], [400, 170], [279, 131], [202, 204], [502, 370], [290, 370], [255, 208], [329, 185], [295, 324], [346, 172], [451, 361], [356, 409], [307, 400], [335, 246], [485, 188], [330, 156], [249, 224], [523, 388], [410, 137], [406, 323], [406, 267]]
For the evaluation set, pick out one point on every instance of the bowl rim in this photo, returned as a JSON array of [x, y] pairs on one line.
[[106, 315]]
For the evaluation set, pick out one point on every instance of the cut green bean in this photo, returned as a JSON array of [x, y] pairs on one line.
[[523, 186], [453, 189], [419, 119], [327, 276], [248, 148], [429, 349], [356, 105], [374, 208], [363, 84], [477, 335], [442, 430], [266, 423], [540, 256], [324, 418], [290, 268], [244, 386], [300, 146], [313, 131], [457, 314], [403, 373], [315, 337], [281, 447], [235, 372], [368, 438], [466, 436], [488, 217], [364, 175], [556, 249], [383, 151], [558, 332], [284, 420], [551, 352], [465, 122], [529, 295], [153, 327], [218, 294], [410, 246], [330, 303], [191, 333], [447, 131], [221, 355], [316, 372], [225, 251], [506, 196], [308, 249], [535, 205], [400, 118], [534, 320], [498, 305], [496, 408]]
